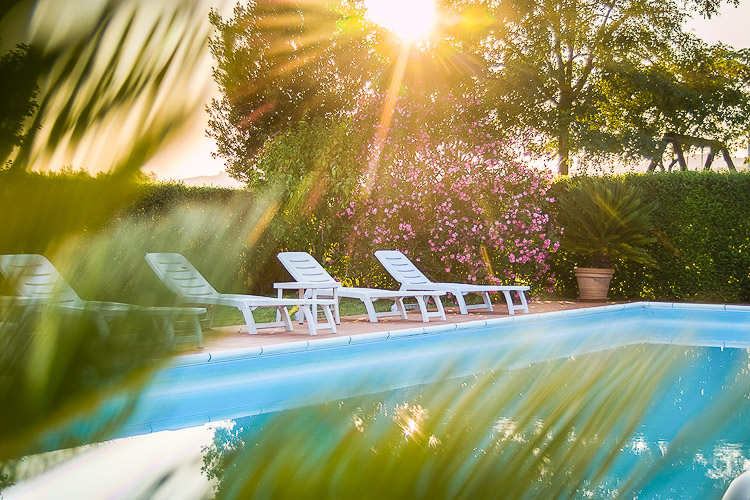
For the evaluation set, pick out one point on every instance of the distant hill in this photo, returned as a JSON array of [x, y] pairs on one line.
[[222, 179]]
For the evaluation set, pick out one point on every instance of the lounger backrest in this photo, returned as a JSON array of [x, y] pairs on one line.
[[35, 277], [180, 276], [304, 268], [401, 268]]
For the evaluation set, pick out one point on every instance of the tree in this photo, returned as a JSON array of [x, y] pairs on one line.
[[279, 63], [703, 93], [608, 76], [18, 89]]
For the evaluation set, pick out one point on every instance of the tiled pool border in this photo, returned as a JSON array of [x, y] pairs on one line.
[[342, 340]]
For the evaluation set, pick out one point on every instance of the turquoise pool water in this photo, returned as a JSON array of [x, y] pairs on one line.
[[689, 441], [212, 387], [208, 387]]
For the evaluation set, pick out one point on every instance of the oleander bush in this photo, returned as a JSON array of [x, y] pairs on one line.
[[444, 190], [458, 216]]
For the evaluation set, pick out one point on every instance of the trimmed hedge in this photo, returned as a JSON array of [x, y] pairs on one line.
[[702, 226]]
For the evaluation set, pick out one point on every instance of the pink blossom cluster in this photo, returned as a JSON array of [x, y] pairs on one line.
[[446, 193]]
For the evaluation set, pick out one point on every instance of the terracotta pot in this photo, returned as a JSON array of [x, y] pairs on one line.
[[593, 283]]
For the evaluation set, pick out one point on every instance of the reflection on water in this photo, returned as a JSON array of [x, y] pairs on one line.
[[726, 462], [641, 421], [637, 421]]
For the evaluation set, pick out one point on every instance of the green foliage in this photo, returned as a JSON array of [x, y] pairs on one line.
[[702, 229], [607, 77], [278, 63], [607, 220], [702, 92], [18, 89], [41, 211], [113, 83], [57, 367], [56, 370], [314, 159]]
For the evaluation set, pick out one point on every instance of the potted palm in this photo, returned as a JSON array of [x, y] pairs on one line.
[[604, 221]]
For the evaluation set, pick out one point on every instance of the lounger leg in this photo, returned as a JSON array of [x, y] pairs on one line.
[[370, 310], [524, 303], [311, 323], [329, 317], [197, 330], [509, 301], [422, 308], [461, 303], [164, 323], [209, 319], [401, 307], [439, 304], [101, 324], [247, 313], [487, 301], [336, 313], [281, 311]]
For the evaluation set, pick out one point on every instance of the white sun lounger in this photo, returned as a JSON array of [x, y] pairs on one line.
[[405, 272], [313, 279], [39, 282], [191, 287]]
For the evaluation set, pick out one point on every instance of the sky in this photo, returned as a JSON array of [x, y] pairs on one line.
[[190, 154]]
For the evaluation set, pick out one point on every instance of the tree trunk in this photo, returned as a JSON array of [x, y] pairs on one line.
[[564, 118], [563, 150]]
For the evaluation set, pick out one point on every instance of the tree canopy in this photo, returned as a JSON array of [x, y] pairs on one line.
[[607, 77], [610, 76]]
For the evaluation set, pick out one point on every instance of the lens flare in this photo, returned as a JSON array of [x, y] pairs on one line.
[[409, 20]]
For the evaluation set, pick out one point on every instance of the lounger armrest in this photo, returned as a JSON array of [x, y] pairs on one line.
[[302, 285], [20, 301]]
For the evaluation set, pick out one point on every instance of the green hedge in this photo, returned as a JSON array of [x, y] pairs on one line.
[[702, 224]]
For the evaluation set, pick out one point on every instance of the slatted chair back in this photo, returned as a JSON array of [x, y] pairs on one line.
[[34, 277], [401, 268], [304, 268], [179, 275]]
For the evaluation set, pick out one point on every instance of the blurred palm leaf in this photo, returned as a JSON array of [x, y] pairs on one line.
[[550, 430], [115, 78], [114, 83]]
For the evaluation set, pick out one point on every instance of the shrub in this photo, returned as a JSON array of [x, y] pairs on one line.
[[606, 220], [459, 215], [702, 248]]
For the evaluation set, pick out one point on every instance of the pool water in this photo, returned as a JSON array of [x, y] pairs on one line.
[[682, 435], [638, 401]]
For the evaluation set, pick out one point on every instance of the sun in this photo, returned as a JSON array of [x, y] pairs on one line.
[[410, 20]]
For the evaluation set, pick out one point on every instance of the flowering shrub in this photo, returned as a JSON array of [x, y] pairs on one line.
[[460, 208], [470, 220]]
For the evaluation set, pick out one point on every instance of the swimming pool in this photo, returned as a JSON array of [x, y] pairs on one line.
[[211, 387], [207, 387], [579, 427]]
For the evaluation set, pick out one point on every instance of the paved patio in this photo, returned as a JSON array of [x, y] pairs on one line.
[[236, 337]]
